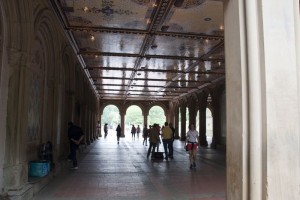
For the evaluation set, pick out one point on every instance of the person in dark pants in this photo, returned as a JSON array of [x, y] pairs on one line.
[[167, 140], [105, 130], [118, 133], [76, 135], [173, 138], [153, 139]]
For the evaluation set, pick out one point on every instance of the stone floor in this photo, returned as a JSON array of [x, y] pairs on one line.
[[111, 171]]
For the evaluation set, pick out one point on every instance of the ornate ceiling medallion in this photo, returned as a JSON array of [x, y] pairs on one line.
[[191, 3], [107, 10]]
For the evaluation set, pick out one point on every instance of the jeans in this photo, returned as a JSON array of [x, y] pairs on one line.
[[168, 144], [152, 145], [73, 149]]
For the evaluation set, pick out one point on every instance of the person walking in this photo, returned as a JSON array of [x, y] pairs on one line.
[[158, 129], [192, 141], [118, 133], [133, 131], [153, 139], [76, 135], [166, 134], [145, 134], [105, 130], [138, 130], [173, 138]]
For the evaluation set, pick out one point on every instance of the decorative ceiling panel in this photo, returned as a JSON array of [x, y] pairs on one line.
[[109, 61], [185, 47], [127, 14], [141, 49], [202, 17], [108, 42]]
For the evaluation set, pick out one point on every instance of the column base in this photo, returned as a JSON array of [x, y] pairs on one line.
[[23, 193]]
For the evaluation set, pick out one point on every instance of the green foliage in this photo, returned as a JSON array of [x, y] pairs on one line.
[[134, 116], [111, 116], [156, 115]]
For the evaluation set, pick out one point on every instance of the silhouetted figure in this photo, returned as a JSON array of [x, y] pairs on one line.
[[133, 131], [173, 138], [138, 130], [119, 130], [75, 136], [105, 129], [153, 139], [145, 134]]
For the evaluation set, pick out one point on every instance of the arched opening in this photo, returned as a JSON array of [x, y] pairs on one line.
[[156, 115], [209, 126], [198, 121], [134, 117], [187, 119], [179, 123], [110, 119]]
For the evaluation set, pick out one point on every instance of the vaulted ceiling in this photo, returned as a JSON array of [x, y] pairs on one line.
[[146, 49]]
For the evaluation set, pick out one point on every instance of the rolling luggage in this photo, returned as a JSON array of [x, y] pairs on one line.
[[158, 155]]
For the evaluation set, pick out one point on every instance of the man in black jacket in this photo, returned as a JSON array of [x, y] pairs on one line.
[[75, 136]]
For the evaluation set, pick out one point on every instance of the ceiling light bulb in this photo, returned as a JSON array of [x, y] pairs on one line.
[[85, 9], [221, 27], [92, 37]]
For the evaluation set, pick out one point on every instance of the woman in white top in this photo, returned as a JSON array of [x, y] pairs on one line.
[[192, 140]]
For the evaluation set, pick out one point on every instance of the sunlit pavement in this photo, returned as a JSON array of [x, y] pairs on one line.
[[111, 171]]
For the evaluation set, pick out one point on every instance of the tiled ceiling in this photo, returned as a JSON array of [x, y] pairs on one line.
[[146, 49]]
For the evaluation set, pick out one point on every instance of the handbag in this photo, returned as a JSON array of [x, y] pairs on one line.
[[186, 147]]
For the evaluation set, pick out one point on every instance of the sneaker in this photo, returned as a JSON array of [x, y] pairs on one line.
[[194, 164], [74, 167]]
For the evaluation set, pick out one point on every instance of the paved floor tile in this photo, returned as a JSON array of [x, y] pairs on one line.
[[108, 171]]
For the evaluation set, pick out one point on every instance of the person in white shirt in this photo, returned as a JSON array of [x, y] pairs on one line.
[[192, 141]]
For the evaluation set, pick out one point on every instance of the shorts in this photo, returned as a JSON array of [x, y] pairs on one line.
[[190, 146]]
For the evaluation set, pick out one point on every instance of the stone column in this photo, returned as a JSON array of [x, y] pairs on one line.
[[122, 123], [262, 80], [192, 112], [183, 125], [145, 118], [216, 119], [176, 125], [202, 124]]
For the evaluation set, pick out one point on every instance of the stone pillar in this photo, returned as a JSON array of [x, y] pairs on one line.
[[15, 170], [3, 108], [183, 125], [145, 118], [262, 80], [122, 123], [176, 125], [192, 114], [216, 119], [202, 124]]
